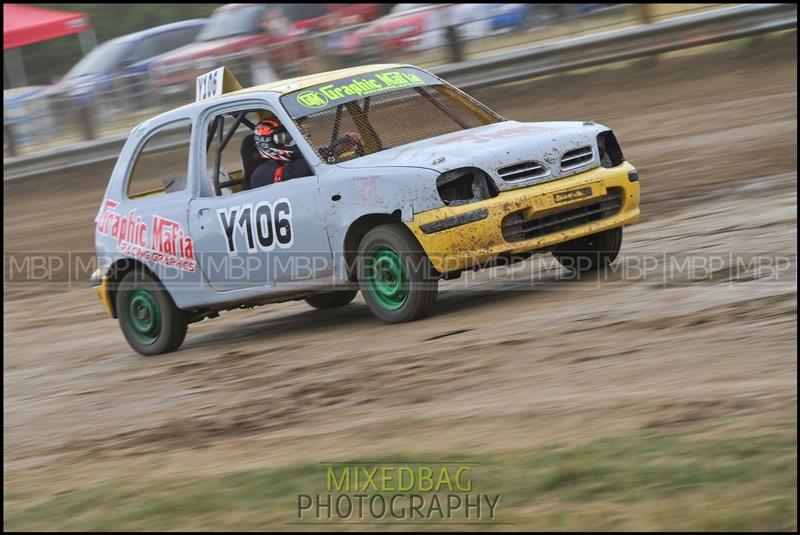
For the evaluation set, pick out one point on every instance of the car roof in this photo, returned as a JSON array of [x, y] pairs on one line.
[[229, 7], [302, 82], [156, 30], [283, 86]]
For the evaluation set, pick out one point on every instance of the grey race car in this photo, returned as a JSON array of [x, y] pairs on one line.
[[434, 183]]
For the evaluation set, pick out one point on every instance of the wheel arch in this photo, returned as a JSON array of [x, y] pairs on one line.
[[358, 229], [118, 269]]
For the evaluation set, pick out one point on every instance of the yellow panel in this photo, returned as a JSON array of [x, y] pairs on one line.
[[157, 191], [472, 243], [104, 295]]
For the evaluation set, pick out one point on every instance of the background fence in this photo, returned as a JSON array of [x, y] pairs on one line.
[[469, 47]]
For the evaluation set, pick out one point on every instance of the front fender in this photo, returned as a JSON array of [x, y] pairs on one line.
[[351, 194]]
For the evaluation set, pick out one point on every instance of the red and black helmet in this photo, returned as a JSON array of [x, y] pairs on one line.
[[274, 141]]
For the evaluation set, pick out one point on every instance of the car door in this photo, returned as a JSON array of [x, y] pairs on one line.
[[145, 216], [273, 236]]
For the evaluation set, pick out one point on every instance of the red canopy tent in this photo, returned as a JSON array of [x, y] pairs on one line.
[[25, 25]]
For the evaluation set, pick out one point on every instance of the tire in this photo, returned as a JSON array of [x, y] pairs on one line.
[[591, 252], [148, 317], [395, 275], [335, 299]]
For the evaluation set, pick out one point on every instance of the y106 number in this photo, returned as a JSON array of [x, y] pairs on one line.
[[209, 84], [264, 225]]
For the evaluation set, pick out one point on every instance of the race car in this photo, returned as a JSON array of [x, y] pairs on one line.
[[413, 182]]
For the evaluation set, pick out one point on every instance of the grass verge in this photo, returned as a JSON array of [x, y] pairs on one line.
[[658, 480]]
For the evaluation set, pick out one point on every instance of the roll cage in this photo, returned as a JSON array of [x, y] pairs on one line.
[[217, 130]]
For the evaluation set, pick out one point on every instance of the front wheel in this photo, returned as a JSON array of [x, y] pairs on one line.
[[333, 299], [590, 253], [394, 274], [149, 319]]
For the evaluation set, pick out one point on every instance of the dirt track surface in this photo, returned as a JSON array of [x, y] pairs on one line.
[[509, 360]]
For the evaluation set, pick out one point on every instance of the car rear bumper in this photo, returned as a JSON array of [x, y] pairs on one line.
[[526, 219], [99, 281]]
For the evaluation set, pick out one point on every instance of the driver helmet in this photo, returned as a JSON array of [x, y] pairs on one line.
[[274, 141]]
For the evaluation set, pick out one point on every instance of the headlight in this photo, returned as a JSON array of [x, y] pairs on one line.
[[465, 185], [608, 147]]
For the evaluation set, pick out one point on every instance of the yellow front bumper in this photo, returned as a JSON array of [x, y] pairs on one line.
[[473, 243]]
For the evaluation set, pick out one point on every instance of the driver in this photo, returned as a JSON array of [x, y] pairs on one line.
[[282, 158]]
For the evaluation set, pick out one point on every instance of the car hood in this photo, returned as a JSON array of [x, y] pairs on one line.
[[487, 147]]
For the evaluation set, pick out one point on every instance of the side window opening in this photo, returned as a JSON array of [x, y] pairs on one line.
[[227, 162], [149, 174], [231, 154]]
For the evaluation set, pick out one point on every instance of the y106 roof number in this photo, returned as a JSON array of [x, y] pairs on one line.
[[209, 84]]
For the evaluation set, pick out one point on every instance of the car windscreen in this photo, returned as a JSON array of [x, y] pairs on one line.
[[231, 22], [102, 57], [298, 12], [385, 109]]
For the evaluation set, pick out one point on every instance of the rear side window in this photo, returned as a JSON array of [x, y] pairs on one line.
[[161, 165]]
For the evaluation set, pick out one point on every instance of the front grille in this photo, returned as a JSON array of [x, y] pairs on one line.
[[523, 171], [576, 157], [516, 228]]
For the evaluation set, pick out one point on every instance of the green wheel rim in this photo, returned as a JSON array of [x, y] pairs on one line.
[[387, 278], [144, 316]]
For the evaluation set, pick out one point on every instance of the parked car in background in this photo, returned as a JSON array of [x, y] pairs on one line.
[[127, 58], [402, 28], [246, 30], [509, 16], [312, 17], [415, 27]]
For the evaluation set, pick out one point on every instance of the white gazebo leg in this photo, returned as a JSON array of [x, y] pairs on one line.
[[88, 40], [16, 70]]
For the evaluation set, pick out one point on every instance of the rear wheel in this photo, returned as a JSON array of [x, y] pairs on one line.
[[394, 275], [591, 252], [331, 299], [149, 319]]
